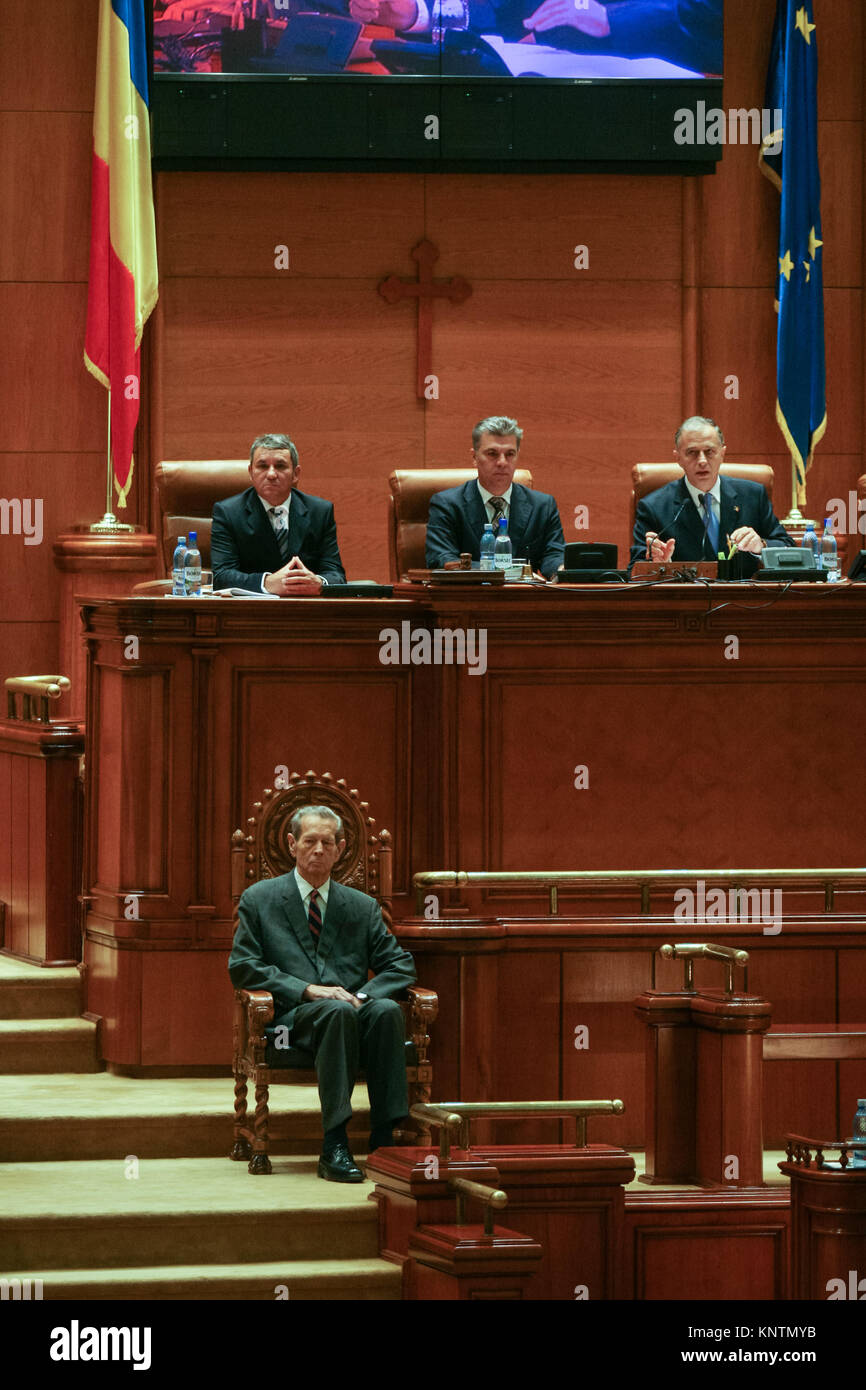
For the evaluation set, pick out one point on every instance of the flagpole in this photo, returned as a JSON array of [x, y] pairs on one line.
[[109, 525], [795, 523]]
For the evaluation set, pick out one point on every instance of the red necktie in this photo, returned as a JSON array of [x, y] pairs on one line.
[[315, 917]]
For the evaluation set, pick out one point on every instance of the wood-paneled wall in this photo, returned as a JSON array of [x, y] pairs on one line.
[[597, 364]]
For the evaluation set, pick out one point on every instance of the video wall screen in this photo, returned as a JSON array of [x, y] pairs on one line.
[[566, 40]]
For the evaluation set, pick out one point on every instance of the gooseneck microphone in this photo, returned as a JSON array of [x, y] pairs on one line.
[[669, 526]]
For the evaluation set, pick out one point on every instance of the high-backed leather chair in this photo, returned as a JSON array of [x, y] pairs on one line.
[[263, 852], [186, 492], [649, 477], [409, 507]]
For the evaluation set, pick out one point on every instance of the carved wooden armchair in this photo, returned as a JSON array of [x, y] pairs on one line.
[[263, 852]]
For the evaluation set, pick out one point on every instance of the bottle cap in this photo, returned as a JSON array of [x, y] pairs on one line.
[[192, 536]]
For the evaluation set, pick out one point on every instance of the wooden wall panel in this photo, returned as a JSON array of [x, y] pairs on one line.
[[799, 1097], [598, 990], [323, 734], [71, 488], [42, 235], [343, 227], [523, 227], [186, 1008], [733, 1252], [504, 1057], [49, 67], [131, 790]]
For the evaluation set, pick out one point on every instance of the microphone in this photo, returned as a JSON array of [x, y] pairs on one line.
[[670, 525]]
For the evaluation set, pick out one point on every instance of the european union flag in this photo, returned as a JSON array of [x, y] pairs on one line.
[[790, 159]]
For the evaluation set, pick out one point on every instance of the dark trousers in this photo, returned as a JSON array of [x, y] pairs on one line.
[[344, 1039]]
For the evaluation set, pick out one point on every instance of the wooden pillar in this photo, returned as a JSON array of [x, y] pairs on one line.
[[41, 837], [669, 1086], [729, 1128], [703, 1087], [98, 567]]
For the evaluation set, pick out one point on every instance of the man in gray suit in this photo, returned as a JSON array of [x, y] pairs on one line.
[[311, 942]]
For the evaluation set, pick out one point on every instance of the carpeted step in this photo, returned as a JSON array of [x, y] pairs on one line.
[[139, 1214], [295, 1280], [75, 1116], [28, 991], [40, 1045]]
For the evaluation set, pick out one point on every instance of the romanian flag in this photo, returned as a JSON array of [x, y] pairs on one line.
[[789, 158], [123, 273]]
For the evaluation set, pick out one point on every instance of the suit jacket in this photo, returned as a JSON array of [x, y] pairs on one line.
[[671, 512], [243, 545], [458, 517], [685, 32], [273, 946]]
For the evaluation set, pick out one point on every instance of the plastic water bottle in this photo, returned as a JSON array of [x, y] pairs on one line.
[[858, 1159], [192, 567], [830, 554], [502, 547], [488, 541], [178, 587], [810, 542]]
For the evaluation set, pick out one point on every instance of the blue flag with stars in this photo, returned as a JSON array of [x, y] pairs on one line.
[[789, 158]]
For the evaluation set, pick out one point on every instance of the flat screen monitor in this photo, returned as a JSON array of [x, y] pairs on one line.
[[437, 81]]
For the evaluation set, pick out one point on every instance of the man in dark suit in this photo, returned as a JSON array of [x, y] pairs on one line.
[[311, 942], [701, 514], [272, 538], [685, 32], [458, 515]]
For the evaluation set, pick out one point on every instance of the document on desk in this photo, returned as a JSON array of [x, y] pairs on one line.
[[542, 61], [242, 593]]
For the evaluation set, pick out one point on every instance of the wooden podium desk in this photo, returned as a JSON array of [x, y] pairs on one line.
[[615, 727]]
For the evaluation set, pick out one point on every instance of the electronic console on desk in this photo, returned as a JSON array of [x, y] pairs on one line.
[[590, 563]]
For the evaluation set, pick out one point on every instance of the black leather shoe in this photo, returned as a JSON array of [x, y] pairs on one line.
[[339, 1166]]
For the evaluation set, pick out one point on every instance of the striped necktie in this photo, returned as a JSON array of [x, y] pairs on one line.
[[710, 522], [315, 917], [280, 520]]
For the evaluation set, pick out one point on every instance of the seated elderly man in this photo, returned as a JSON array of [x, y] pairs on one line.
[[703, 514], [311, 942]]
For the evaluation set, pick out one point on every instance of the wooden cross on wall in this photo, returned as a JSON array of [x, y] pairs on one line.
[[425, 289]]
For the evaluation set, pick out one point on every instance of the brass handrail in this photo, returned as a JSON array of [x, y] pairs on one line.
[[645, 879], [688, 952], [33, 689], [449, 1115], [492, 1197]]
